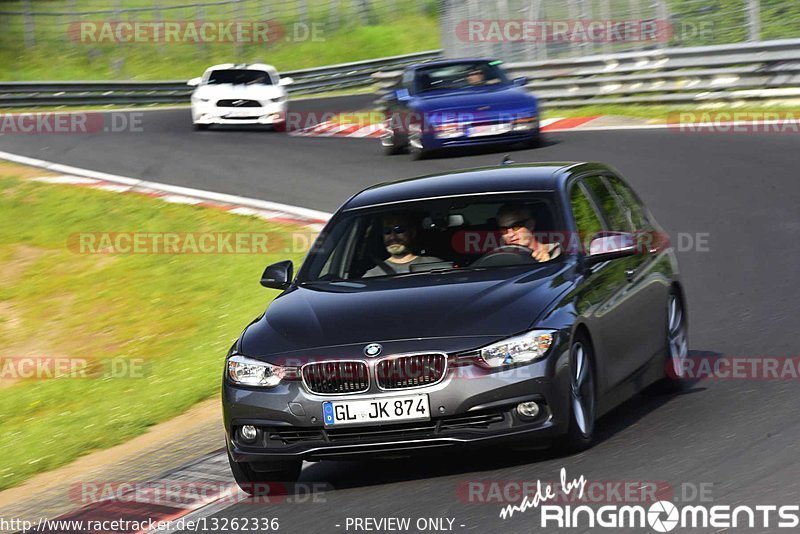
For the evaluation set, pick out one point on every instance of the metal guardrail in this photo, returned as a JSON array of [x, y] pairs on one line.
[[307, 81], [753, 71]]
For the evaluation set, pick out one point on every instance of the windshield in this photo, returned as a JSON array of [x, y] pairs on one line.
[[239, 76], [459, 76], [442, 235]]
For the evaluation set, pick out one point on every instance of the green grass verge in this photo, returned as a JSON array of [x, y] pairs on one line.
[[179, 313], [406, 33]]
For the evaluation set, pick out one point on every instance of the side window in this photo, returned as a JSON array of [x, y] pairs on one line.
[[408, 80], [618, 219], [633, 206], [586, 219]]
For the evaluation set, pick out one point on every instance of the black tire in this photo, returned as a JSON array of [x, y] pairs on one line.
[[201, 127], [394, 149], [583, 392], [418, 154], [677, 347], [534, 142], [258, 482]]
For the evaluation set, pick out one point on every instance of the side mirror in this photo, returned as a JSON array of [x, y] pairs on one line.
[[194, 82], [278, 275], [521, 81], [610, 246], [390, 96], [286, 81]]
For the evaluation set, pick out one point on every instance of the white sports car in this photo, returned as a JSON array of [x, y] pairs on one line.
[[239, 94]]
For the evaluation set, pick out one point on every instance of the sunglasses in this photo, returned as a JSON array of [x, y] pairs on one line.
[[399, 229], [516, 225]]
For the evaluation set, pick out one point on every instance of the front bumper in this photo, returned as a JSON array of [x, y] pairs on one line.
[[433, 142], [474, 411], [211, 114]]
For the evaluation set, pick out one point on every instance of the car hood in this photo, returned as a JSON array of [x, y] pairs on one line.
[[488, 304], [239, 91], [506, 99]]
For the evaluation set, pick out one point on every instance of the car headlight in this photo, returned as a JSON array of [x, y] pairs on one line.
[[449, 130], [248, 372], [523, 348], [525, 123]]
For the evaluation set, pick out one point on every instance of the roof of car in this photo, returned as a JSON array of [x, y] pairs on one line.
[[242, 66], [443, 62], [498, 179]]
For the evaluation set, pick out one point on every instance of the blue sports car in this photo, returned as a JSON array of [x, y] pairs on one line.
[[458, 103]]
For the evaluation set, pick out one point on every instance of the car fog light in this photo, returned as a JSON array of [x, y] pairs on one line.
[[528, 409], [248, 433]]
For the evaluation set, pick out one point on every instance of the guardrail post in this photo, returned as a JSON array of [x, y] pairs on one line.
[[363, 10], [662, 17], [118, 61], [29, 25], [158, 19], [753, 20], [199, 16], [239, 5], [507, 46], [333, 16], [536, 49], [577, 11], [605, 15], [636, 15], [302, 9]]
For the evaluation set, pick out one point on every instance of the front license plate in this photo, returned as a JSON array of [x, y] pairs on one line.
[[240, 113], [386, 409], [489, 129]]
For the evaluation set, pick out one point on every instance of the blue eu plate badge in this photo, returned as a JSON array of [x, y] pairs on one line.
[[327, 412]]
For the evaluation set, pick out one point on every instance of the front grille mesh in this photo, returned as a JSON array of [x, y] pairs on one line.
[[238, 103], [329, 378], [410, 371]]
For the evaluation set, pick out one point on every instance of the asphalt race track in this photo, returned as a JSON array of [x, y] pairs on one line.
[[740, 192]]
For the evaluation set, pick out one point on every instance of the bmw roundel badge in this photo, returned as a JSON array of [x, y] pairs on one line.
[[373, 349]]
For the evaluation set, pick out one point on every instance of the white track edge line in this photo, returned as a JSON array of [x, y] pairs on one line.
[[305, 213]]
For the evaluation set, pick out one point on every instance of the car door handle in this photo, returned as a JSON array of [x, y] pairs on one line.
[[629, 274]]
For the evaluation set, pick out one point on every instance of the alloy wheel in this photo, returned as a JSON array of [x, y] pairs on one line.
[[583, 404], [676, 336]]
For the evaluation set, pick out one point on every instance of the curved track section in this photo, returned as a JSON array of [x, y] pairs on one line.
[[738, 193]]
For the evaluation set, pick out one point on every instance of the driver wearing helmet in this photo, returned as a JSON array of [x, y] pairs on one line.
[[516, 228]]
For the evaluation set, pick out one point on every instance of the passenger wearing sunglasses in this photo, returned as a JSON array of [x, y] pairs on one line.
[[398, 238], [516, 228]]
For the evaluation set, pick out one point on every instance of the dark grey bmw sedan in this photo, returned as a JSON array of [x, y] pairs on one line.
[[513, 304]]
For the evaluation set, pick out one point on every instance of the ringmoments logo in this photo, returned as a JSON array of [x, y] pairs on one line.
[[660, 516]]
